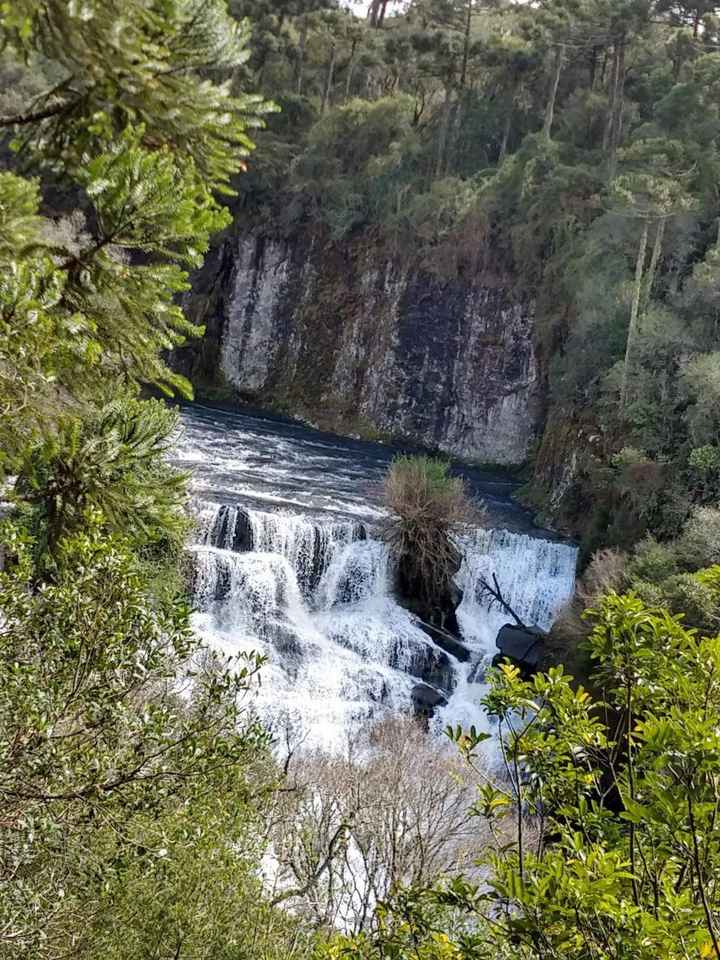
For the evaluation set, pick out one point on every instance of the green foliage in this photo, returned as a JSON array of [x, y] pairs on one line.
[[699, 544], [135, 787], [109, 463], [653, 561], [704, 464], [350, 169], [139, 121], [614, 848], [141, 66], [117, 730]]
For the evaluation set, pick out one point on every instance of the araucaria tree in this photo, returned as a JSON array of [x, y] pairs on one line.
[[132, 781]]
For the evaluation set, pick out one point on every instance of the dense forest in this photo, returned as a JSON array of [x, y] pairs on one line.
[[570, 143]]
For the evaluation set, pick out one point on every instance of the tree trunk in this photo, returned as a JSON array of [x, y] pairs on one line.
[[381, 14], [329, 80], [350, 70], [466, 42], [453, 133], [443, 137], [615, 112], [550, 106], [419, 107], [634, 312], [301, 57], [654, 260], [374, 12], [611, 103], [619, 107], [592, 66], [505, 136]]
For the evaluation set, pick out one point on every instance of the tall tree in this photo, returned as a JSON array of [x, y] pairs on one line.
[[147, 140], [651, 196]]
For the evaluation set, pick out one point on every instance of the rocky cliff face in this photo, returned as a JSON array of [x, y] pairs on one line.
[[358, 342]]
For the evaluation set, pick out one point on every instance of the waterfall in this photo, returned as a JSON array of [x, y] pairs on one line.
[[536, 576], [315, 596]]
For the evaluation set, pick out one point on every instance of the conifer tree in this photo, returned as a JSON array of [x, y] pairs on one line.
[[139, 121]]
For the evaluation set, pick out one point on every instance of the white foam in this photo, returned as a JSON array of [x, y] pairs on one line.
[[316, 599]]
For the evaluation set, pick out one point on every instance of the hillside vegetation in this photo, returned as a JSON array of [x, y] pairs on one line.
[[572, 144]]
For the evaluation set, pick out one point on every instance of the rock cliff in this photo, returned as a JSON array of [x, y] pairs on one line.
[[365, 343]]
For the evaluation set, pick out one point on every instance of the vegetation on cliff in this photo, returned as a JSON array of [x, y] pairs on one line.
[[573, 145]]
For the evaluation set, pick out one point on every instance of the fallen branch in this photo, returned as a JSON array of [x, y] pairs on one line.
[[494, 595]]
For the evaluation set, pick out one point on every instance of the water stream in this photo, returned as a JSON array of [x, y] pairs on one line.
[[286, 563]]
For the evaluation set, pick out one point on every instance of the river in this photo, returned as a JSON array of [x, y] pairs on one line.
[[286, 562]]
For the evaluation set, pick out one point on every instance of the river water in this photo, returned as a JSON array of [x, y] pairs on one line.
[[286, 562]]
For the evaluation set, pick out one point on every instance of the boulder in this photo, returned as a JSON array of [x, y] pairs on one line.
[[426, 700], [232, 530], [432, 666], [524, 646]]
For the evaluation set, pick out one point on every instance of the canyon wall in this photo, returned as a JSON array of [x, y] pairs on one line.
[[358, 341]]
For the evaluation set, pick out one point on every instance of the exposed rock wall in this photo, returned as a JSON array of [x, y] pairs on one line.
[[358, 342]]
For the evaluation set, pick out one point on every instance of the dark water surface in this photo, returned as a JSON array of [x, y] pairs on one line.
[[272, 463]]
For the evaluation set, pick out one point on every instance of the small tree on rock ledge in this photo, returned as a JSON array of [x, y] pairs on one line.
[[428, 507]]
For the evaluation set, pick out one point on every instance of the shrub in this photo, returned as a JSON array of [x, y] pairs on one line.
[[699, 543], [111, 460], [710, 577], [704, 466], [427, 506], [686, 594], [653, 561], [606, 571]]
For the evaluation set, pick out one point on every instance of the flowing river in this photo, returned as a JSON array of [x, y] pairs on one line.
[[286, 563]]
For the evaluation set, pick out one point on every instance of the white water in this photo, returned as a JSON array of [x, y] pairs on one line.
[[537, 577], [316, 600], [309, 587]]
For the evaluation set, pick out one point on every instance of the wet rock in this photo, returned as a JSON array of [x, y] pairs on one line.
[[434, 667], [232, 530], [524, 646], [426, 700], [287, 643], [477, 671]]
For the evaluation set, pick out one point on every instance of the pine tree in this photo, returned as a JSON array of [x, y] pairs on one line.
[[140, 121]]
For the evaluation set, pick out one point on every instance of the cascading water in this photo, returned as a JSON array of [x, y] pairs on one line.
[[314, 597], [311, 588], [537, 577]]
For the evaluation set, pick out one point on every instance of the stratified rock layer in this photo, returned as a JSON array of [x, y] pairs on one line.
[[358, 341]]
